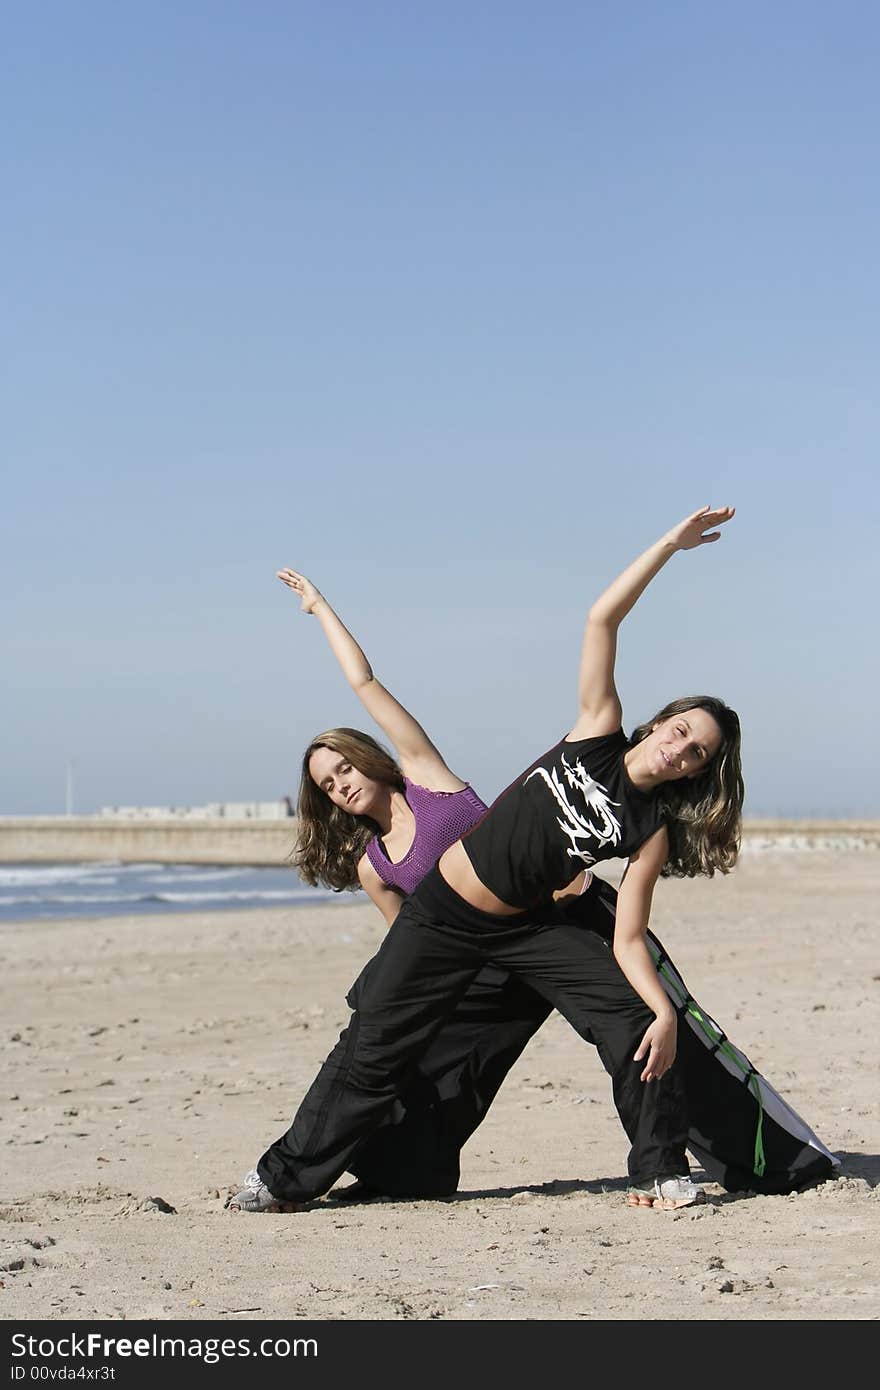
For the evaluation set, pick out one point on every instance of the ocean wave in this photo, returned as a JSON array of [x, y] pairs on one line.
[[253, 896], [22, 876], [35, 875], [183, 874], [276, 895], [44, 899]]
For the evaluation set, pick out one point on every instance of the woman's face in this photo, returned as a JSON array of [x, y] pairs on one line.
[[340, 780], [682, 745]]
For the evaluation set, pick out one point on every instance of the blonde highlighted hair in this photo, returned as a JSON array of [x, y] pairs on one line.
[[703, 813]]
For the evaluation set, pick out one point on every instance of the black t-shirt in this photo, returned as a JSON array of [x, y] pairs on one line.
[[573, 807]]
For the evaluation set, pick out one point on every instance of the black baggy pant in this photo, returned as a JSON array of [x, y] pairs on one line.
[[424, 968], [416, 1150]]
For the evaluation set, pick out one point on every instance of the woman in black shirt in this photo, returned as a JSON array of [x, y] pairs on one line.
[[670, 799]]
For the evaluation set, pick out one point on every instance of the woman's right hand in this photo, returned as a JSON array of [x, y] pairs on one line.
[[309, 595], [659, 1045]]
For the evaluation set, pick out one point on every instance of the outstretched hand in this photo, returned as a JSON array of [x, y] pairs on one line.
[[302, 586], [693, 530]]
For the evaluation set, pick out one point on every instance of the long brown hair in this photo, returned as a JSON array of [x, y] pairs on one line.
[[329, 840], [704, 813]]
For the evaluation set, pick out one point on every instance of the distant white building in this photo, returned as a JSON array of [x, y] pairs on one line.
[[215, 810]]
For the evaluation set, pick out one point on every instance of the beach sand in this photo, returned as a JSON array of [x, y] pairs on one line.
[[149, 1061]]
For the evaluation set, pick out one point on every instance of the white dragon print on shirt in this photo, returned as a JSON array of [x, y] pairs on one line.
[[601, 826]]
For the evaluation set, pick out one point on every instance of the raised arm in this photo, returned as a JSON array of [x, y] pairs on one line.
[[600, 710], [418, 756]]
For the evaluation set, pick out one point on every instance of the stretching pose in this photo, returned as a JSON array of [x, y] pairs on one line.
[[669, 799], [363, 817]]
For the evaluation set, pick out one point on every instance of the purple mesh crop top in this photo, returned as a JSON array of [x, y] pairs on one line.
[[441, 819]]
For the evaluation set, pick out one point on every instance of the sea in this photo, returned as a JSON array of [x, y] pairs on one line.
[[111, 889], [44, 891]]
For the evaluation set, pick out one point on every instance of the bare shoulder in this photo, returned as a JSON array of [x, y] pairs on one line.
[[367, 875], [650, 857], [387, 899]]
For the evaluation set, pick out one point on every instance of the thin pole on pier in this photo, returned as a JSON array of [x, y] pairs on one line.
[[69, 795]]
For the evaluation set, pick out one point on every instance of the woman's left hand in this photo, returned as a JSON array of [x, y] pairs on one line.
[[696, 529], [659, 1045]]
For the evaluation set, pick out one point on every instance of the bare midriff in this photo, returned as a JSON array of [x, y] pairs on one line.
[[459, 873]]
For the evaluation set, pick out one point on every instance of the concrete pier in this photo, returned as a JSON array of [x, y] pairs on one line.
[[71, 839]]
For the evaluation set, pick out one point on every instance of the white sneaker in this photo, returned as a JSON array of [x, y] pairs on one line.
[[668, 1193], [255, 1196]]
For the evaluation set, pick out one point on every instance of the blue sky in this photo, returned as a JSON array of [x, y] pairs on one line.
[[455, 309]]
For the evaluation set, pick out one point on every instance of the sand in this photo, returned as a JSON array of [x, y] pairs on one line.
[[148, 1062]]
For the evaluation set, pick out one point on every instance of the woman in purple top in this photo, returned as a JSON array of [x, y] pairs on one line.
[[365, 819]]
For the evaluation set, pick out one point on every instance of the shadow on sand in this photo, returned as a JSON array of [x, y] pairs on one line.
[[852, 1165]]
